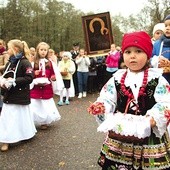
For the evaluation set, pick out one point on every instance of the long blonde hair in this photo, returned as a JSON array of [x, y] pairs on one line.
[[22, 46]]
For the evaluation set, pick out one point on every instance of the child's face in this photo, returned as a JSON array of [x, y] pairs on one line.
[[65, 57], [42, 51], [82, 52], [135, 58], [167, 28], [32, 51], [11, 50], [113, 47], [50, 53], [158, 34]]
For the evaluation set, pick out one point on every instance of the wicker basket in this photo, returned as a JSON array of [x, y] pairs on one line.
[[64, 73]]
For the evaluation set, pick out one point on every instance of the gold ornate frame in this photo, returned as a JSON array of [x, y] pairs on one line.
[[97, 33]]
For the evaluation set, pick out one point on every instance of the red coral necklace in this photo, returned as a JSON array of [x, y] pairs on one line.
[[142, 91]]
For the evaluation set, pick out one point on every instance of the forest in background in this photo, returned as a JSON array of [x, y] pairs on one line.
[[60, 24]]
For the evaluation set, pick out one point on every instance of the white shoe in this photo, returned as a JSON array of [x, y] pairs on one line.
[[80, 95], [84, 94]]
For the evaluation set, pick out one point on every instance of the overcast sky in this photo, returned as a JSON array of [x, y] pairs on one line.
[[115, 7]]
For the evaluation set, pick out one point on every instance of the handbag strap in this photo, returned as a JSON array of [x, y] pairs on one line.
[[6, 70]]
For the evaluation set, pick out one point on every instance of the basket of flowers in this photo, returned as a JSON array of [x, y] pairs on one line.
[[64, 73], [124, 127]]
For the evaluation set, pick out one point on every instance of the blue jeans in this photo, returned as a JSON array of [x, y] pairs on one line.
[[82, 81]]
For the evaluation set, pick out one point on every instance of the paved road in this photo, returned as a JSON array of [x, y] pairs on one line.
[[69, 144]]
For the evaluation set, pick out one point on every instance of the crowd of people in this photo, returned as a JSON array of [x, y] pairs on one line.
[[134, 92]]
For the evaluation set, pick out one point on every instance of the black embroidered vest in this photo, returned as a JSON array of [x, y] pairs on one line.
[[144, 102]]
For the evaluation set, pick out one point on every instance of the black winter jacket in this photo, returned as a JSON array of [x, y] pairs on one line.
[[20, 94]]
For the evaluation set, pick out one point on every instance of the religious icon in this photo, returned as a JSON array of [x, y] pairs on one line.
[[98, 33]]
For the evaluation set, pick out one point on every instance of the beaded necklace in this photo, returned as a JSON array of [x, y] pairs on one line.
[[128, 93]]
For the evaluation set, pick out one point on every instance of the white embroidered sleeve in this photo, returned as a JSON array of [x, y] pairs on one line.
[[108, 96], [162, 98]]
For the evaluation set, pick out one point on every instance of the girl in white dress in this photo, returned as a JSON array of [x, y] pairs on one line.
[[42, 103], [16, 120]]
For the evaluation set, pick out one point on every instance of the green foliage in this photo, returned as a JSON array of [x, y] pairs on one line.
[[60, 24], [56, 23]]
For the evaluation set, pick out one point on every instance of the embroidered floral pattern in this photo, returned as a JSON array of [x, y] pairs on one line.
[[119, 128], [151, 88], [162, 90], [152, 83], [101, 118], [160, 107], [109, 88]]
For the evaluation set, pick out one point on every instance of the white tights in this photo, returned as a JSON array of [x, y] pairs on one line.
[[67, 95]]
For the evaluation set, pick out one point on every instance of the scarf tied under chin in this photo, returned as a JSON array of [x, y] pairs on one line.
[[14, 59]]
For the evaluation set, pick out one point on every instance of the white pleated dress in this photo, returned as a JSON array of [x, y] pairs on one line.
[[16, 123], [44, 111]]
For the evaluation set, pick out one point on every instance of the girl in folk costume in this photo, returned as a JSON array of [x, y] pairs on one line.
[[134, 115], [42, 102], [16, 120], [67, 68]]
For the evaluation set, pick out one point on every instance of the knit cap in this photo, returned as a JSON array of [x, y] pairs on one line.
[[68, 54], [138, 39], [159, 26], [167, 17]]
